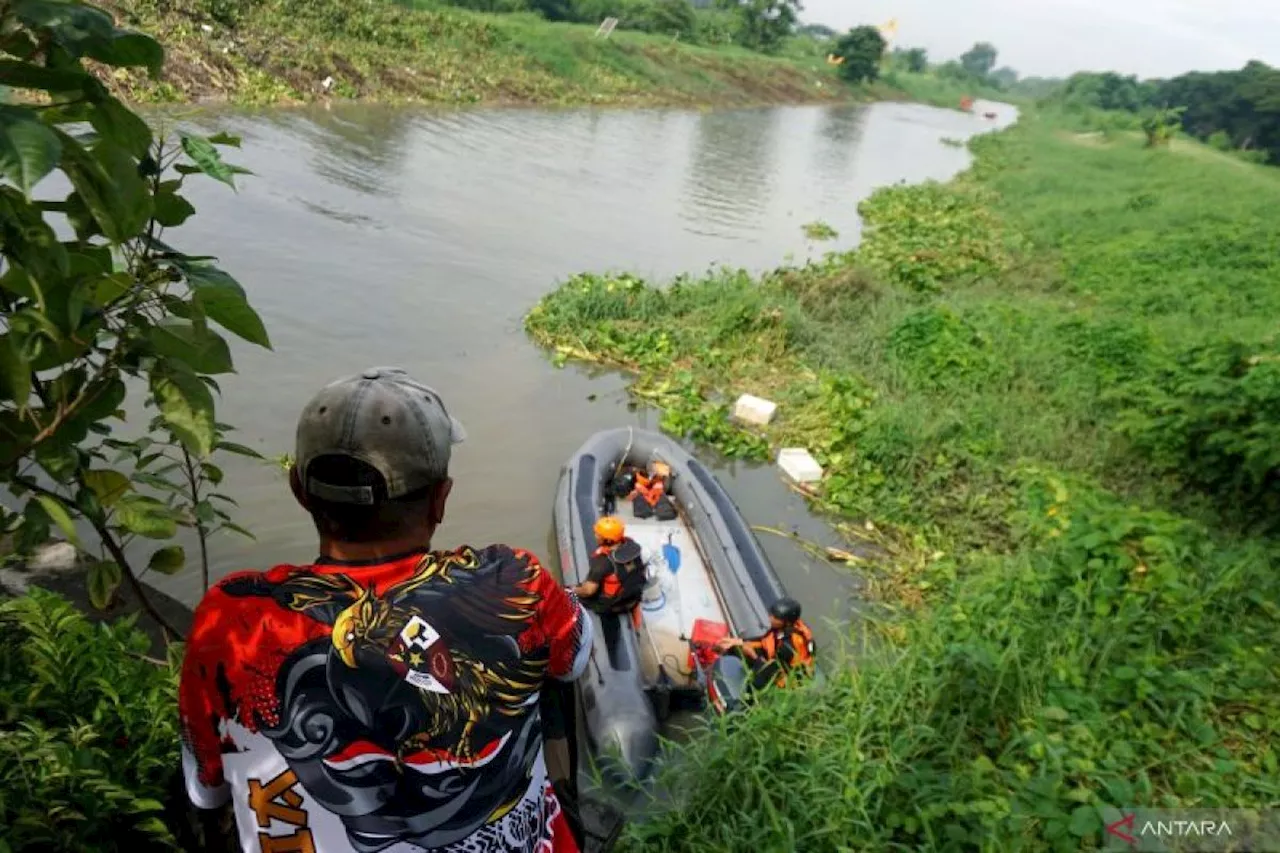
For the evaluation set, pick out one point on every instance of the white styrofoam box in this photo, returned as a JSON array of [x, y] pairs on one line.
[[754, 410], [799, 465]]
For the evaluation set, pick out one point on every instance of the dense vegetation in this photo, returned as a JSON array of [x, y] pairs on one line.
[[258, 52], [98, 307], [272, 51], [762, 25], [1228, 109], [89, 736], [1052, 387]]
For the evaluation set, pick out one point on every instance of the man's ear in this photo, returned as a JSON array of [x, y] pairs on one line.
[[295, 483], [438, 500]]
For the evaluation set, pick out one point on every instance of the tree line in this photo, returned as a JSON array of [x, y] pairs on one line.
[[1228, 109]]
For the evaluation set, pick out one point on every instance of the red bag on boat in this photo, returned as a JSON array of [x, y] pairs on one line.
[[703, 641]]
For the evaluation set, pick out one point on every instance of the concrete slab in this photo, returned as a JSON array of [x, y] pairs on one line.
[[754, 410], [799, 465]]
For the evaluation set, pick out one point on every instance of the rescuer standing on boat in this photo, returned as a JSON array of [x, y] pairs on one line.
[[616, 579]]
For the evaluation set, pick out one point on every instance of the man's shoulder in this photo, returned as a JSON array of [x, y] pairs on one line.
[[247, 590], [236, 584], [498, 554]]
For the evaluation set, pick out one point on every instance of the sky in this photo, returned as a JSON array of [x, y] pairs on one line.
[[1150, 38]]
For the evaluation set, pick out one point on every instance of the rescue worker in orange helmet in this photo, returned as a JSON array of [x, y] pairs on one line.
[[651, 496], [787, 647], [616, 578]]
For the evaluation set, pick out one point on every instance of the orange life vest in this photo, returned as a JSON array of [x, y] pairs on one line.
[[651, 489], [613, 586], [799, 640]]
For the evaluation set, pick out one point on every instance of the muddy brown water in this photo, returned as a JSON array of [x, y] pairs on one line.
[[388, 236]]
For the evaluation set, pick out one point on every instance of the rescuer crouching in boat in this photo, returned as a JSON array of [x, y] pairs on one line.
[[787, 648], [615, 581]]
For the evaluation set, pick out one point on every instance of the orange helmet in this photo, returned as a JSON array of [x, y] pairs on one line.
[[609, 529]]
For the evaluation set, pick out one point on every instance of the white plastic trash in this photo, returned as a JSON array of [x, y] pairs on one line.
[[799, 465], [754, 410]]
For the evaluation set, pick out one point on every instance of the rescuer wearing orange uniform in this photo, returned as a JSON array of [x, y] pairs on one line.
[[616, 578], [785, 648]]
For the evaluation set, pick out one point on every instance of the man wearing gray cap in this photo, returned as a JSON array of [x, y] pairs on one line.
[[386, 696]]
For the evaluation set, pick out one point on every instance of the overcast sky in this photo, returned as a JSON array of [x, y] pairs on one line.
[[1151, 38]]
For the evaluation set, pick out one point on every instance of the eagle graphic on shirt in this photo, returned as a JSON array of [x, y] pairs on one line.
[[457, 687], [405, 701]]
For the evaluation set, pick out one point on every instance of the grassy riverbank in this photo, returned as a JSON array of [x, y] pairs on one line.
[[1051, 385], [280, 51]]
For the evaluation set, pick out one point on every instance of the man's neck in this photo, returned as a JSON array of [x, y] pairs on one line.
[[365, 552]]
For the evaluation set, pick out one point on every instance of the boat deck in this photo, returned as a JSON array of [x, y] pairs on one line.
[[688, 594]]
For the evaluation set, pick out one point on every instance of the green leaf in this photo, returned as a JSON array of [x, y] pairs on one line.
[[26, 75], [186, 404], [207, 158], [144, 804], [238, 529], [108, 182], [168, 560], [58, 515], [172, 209], [205, 513], [203, 349], [29, 149], [121, 126], [109, 486], [104, 578], [224, 138], [108, 395], [34, 530], [211, 472], [1084, 820], [222, 300], [232, 447], [130, 50], [15, 372], [157, 482], [72, 25], [146, 516], [84, 30], [108, 288]]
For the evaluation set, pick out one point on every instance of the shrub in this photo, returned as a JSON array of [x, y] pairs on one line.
[[940, 348], [1211, 416], [88, 736], [928, 236]]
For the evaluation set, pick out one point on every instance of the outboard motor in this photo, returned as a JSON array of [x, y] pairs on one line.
[[728, 686]]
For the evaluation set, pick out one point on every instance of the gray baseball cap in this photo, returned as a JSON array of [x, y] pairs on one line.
[[385, 419]]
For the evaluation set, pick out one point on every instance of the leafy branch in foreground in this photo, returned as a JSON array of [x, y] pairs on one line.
[[114, 307]]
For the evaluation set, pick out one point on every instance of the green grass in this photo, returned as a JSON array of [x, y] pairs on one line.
[[1051, 385], [281, 50]]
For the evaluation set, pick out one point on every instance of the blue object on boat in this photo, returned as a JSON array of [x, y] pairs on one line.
[[671, 554]]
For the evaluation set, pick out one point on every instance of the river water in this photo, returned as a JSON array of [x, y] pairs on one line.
[[388, 236]]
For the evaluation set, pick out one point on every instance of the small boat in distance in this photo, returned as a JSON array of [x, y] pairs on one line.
[[706, 576]]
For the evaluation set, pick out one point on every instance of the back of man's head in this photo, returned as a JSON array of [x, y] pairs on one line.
[[372, 457]]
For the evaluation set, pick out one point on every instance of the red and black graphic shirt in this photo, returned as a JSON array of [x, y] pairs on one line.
[[393, 706]]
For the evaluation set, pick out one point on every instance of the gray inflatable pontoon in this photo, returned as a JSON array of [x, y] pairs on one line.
[[704, 568]]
